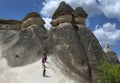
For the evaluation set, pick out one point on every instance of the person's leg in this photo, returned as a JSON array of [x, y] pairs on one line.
[[45, 59], [44, 72]]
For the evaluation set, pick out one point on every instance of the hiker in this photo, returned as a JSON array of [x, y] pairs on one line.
[[45, 56]]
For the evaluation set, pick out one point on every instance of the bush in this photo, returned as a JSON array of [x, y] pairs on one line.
[[109, 73]]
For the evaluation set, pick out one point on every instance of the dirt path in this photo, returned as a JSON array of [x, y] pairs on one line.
[[31, 74]]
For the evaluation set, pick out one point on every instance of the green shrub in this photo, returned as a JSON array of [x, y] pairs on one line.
[[109, 73]]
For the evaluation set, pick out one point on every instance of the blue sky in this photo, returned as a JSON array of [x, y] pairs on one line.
[[103, 19]]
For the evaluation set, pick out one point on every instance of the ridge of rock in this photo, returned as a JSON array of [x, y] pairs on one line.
[[3, 21], [62, 9], [107, 48], [10, 24], [111, 55]]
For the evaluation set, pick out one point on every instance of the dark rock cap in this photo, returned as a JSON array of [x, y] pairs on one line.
[[62, 9], [79, 12], [32, 14], [2, 21]]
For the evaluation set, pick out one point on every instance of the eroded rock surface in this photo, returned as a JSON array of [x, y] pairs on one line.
[[25, 45], [111, 55], [72, 43]]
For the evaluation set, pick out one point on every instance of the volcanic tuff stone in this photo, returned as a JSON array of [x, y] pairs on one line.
[[25, 45], [79, 16], [92, 48], [73, 47], [61, 19], [63, 9], [67, 48], [73, 44], [65, 13], [79, 12], [32, 18], [32, 14], [112, 56], [62, 14]]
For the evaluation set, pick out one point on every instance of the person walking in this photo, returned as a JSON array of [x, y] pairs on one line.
[[44, 58]]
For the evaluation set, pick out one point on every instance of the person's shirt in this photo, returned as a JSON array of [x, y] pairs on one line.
[[43, 60]]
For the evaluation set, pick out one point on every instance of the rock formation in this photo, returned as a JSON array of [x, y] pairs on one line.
[[25, 45], [74, 44], [89, 41], [62, 14], [112, 56], [79, 16], [32, 18], [73, 48]]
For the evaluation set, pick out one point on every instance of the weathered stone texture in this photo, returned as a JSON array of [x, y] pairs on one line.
[[24, 46], [61, 19], [68, 49], [33, 20], [63, 9], [111, 55]]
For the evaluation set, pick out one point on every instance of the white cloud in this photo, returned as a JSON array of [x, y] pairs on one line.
[[111, 8], [47, 22], [108, 33], [49, 7]]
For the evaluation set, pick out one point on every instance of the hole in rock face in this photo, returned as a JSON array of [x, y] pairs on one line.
[[76, 28], [17, 56]]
